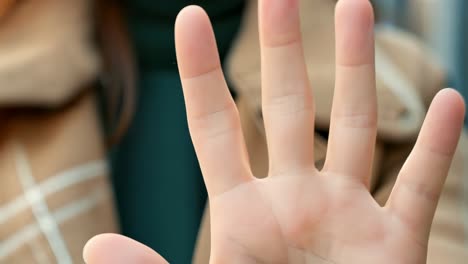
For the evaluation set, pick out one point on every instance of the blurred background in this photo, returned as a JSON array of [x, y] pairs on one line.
[[93, 132], [441, 25]]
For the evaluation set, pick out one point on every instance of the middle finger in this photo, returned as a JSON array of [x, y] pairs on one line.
[[288, 107]]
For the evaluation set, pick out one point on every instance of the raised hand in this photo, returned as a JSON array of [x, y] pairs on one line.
[[298, 214]]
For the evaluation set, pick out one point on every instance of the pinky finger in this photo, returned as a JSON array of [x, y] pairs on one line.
[[117, 249], [416, 193]]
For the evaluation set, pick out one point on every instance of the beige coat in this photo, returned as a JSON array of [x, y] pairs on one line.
[[54, 190]]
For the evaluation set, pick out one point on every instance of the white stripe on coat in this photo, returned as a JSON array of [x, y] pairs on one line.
[[56, 183], [36, 200], [61, 215]]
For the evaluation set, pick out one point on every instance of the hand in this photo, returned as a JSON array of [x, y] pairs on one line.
[[300, 214]]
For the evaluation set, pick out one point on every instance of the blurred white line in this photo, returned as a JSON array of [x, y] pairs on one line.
[[39, 207], [61, 215], [56, 183]]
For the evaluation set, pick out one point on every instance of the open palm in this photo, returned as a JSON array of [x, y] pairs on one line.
[[299, 214]]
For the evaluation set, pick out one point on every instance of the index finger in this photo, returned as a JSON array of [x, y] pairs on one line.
[[211, 112]]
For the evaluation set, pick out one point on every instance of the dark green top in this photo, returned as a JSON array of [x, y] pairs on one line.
[[159, 188]]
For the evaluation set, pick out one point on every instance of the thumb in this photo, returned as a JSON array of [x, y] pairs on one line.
[[118, 249]]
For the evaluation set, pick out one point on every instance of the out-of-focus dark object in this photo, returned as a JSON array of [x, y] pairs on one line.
[[119, 74]]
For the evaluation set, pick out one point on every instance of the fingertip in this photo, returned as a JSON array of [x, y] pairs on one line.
[[279, 22], [187, 15], [448, 104], [114, 248], [354, 23], [452, 98], [359, 9], [195, 44], [444, 122], [90, 247]]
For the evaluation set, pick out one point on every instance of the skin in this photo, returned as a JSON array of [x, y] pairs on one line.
[[302, 215]]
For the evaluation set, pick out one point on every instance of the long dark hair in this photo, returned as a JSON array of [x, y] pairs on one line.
[[119, 74]]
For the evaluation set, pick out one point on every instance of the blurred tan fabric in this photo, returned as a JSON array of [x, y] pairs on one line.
[[407, 78], [5, 6], [404, 69], [54, 187], [54, 191], [46, 51]]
